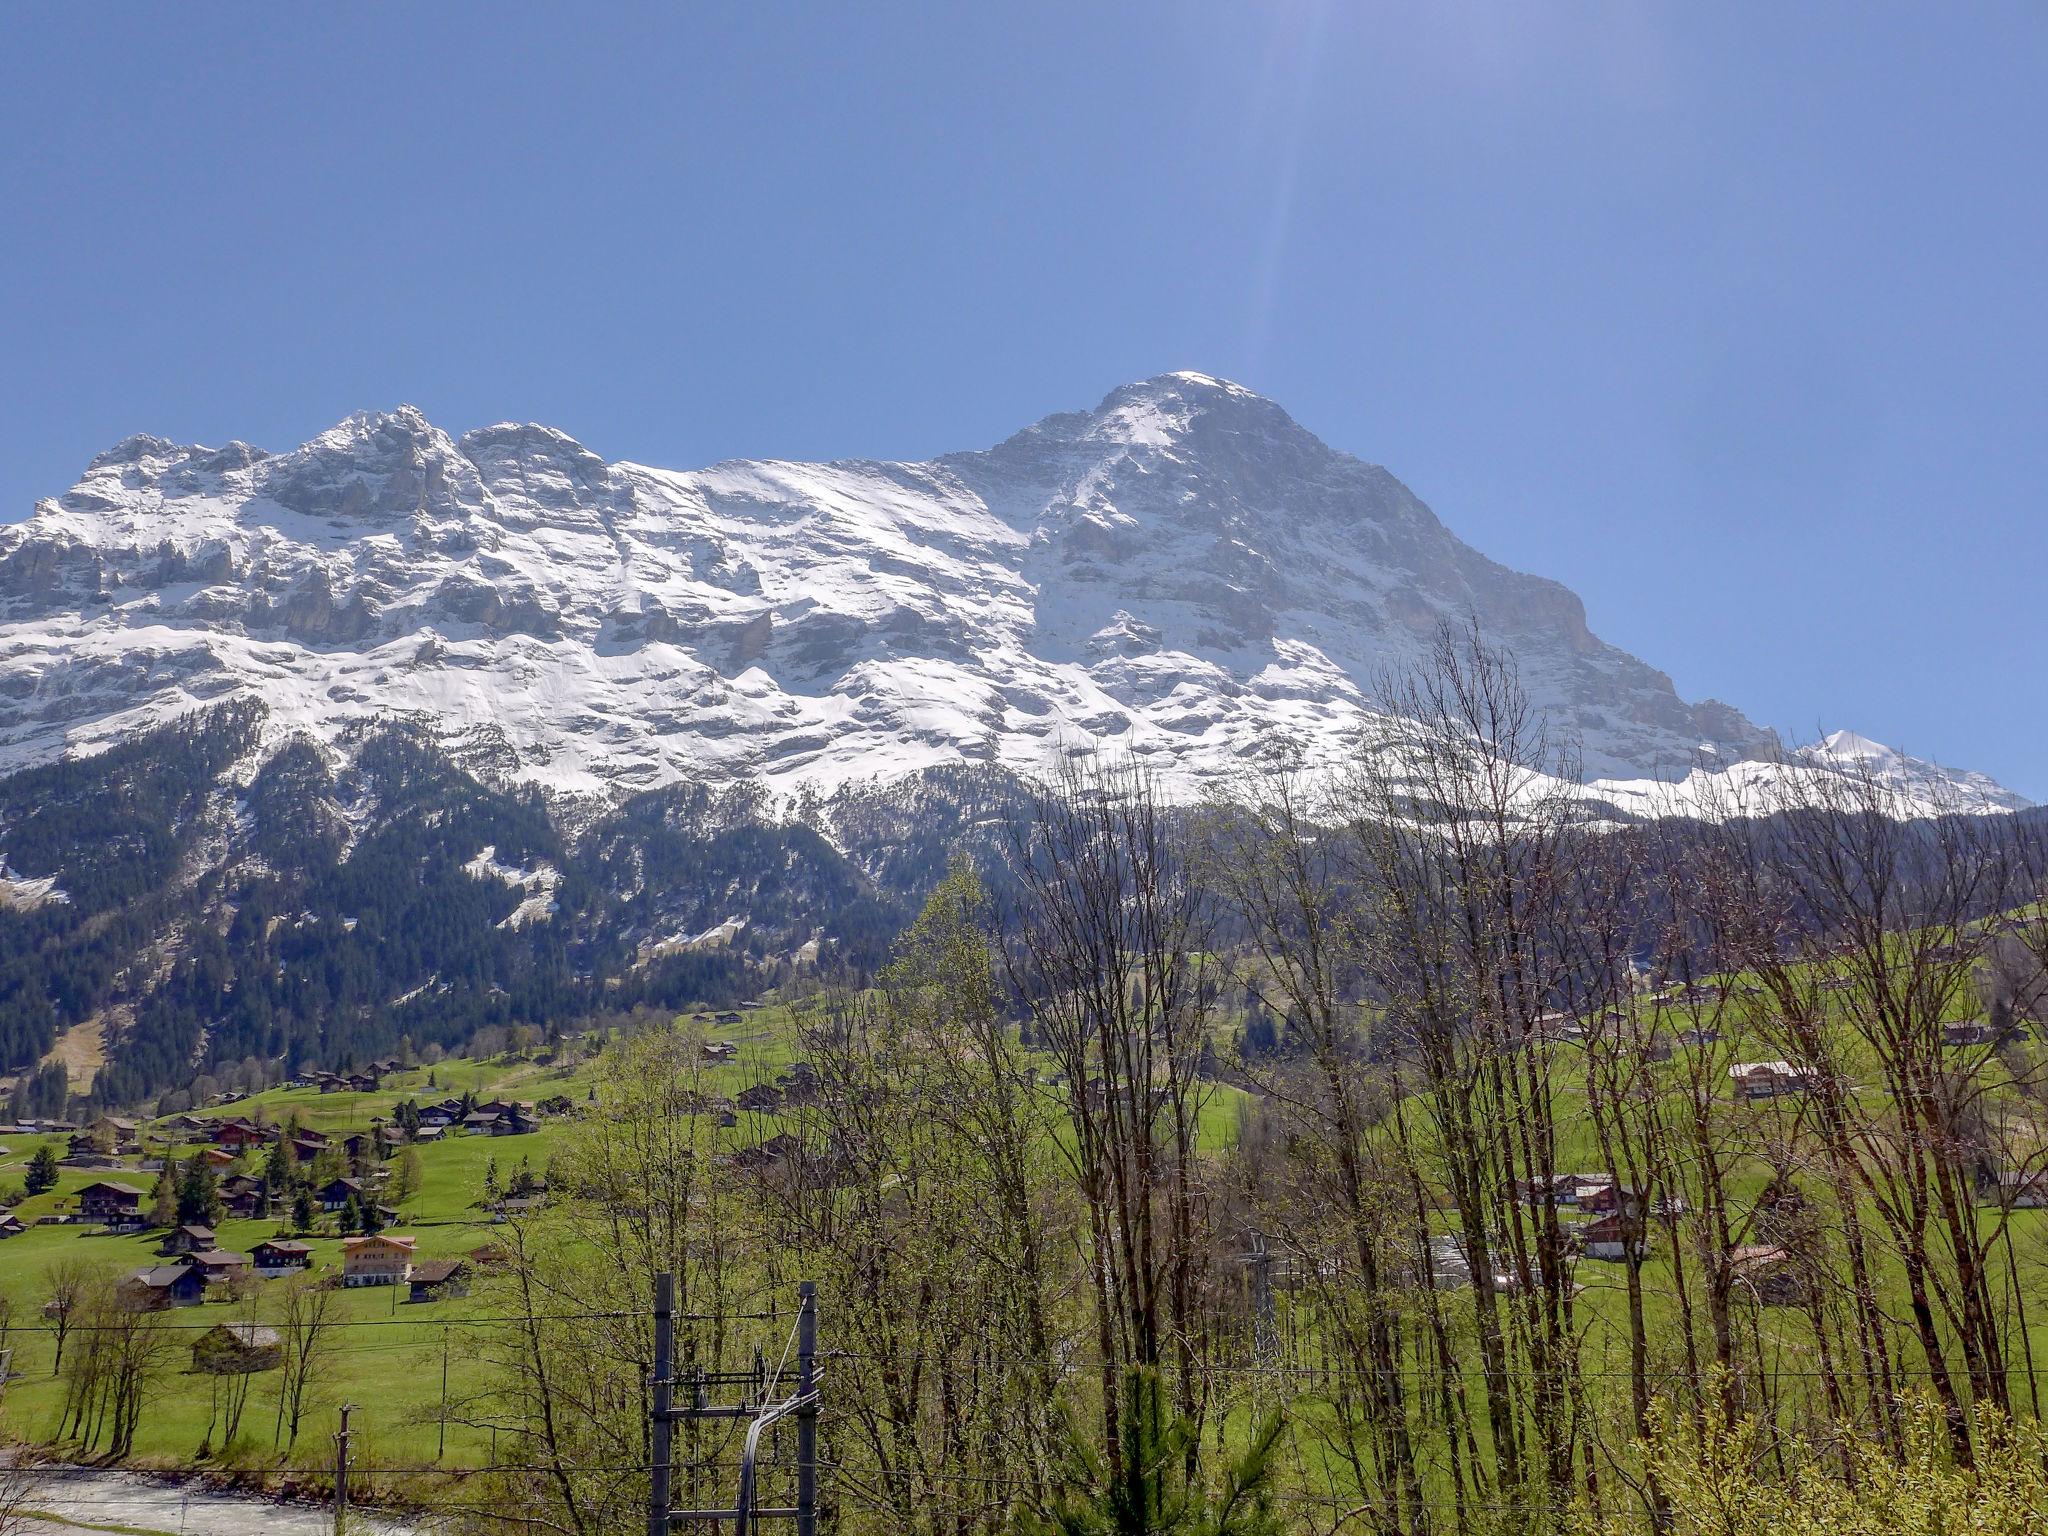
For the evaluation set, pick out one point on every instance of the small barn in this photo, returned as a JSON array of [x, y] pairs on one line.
[[436, 1279], [237, 1349]]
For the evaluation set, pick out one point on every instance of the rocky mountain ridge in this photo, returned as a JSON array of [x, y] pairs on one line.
[[1183, 573]]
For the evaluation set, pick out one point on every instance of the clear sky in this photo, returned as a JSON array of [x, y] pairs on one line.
[[1730, 316]]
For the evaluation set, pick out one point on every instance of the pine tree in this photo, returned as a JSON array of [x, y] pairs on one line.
[[42, 1170], [303, 1214], [199, 1193]]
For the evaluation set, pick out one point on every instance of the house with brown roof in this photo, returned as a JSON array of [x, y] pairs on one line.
[[436, 1279], [217, 1266], [280, 1255], [1613, 1237], [115, 1204], [1759, 1080], [163, 1285], [335, 1194], [190, 1238], [239, 1134], [379, 1260]]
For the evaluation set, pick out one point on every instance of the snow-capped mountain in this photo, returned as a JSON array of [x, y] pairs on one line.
[[1182, 572]]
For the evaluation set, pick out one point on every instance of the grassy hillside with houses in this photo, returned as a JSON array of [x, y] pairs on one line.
[[391, 1341]]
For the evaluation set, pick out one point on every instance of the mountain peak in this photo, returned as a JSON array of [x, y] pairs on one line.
[[1170, 407], [1182, 572]]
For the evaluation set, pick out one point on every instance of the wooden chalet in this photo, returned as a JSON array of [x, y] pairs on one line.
[[1759, 1080], [164, 1285], [280, 1255], [189, 1238], [115, 1204], [336, 1194], [382, 1259], [437, 1279], [218, 1265]]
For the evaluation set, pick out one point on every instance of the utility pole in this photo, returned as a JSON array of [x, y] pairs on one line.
[[341, 1474], [441, 1450], [746, 1512], [664, 1418]]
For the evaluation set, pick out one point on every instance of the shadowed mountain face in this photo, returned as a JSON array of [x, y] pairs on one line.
[[1183, 572]]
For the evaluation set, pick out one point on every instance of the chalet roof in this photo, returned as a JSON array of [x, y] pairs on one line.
[[121, 1189], [219, 1258], [434, 1271], [159, 1276], [283, 1245], [355, 1244], [194, 1229], [247, 1335]]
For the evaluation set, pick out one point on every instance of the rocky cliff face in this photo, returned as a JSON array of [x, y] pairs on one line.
[[1183, 572]]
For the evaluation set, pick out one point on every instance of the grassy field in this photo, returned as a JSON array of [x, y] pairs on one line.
[[390, 1364]]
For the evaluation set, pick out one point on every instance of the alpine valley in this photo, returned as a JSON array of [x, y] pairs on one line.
[[403, 735]]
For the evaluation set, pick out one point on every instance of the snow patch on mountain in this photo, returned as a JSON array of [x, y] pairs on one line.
[[536, 886], [1183, 574]]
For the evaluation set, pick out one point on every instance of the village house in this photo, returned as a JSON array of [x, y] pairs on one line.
[[114, 1204], [164, 1285], [1606, 1196], [1612, 1237], [217, 1266], [238, 1135], [436, 1279], [1562, 1188], [2015, 1190], [280, 1255], [379, 1260], [237, 1349], [1758, 1080], [84, 1150], [245, 1197], [190, 1238], [10, 1225], [336, 1194], [1973, 1032], [106, 1136], [217, 1157], [760, 1099]]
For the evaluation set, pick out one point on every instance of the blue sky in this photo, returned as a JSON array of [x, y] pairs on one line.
[[1731, 316]]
